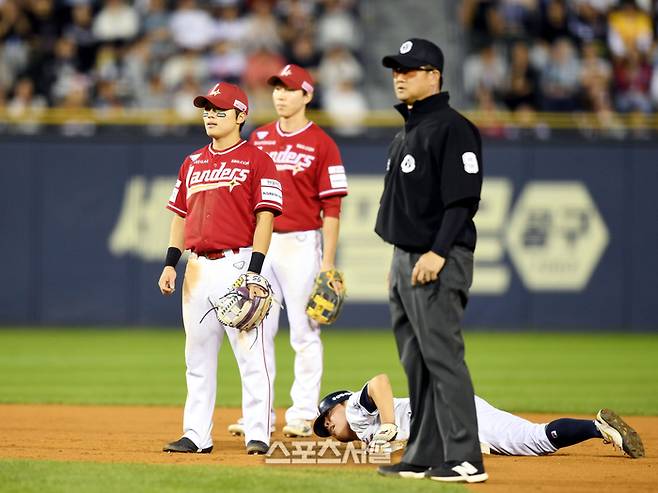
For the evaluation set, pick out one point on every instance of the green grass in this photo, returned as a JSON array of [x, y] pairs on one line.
[[61, 477], [551, 372], [566, 373]]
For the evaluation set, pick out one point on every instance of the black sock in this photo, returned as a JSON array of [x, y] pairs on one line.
[[566, 431]]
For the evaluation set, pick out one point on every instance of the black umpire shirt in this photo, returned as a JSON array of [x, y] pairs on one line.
[[433, 180]]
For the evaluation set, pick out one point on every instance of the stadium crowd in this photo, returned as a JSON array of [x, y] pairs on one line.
[[599, 56], [159, 54]]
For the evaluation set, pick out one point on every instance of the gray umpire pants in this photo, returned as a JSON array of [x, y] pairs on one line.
[[427, 327]]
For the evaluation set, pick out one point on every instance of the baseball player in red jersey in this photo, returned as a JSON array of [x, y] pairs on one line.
[[305, 236], [224, 200]]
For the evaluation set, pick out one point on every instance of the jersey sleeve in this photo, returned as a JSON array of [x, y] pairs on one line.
[[178, 199], [332, 180], [267, 193], [461, 172]]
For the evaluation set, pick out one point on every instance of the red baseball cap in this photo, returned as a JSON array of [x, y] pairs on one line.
[[293, 77], [224, 96]]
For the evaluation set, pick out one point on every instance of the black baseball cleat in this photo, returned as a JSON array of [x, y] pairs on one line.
[[185, 446], [256, 447], [458, 472], [403, 470]]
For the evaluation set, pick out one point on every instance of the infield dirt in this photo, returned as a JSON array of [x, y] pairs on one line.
[[136, 435]]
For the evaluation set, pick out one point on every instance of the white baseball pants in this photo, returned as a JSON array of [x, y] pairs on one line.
[[204, 278], [292, 263]]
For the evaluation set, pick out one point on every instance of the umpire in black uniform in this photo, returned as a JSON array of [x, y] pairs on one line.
[[431, 193]]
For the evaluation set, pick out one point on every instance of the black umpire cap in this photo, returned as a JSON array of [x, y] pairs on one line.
[[326, 405], [415, 53]]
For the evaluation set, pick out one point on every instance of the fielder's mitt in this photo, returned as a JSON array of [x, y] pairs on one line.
[[236, 309], [327, 297]]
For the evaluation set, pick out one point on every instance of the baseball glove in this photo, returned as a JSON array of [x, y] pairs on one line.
[[237, 309], [327, 297]]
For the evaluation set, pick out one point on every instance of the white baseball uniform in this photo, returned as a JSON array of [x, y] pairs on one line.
[[218, 193], [499, 431], [313, 178]]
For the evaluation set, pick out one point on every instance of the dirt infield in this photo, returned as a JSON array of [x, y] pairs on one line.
[[136, 434]]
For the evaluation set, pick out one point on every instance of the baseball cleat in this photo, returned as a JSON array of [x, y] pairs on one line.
[[403, 470], [298, 428], [185, 446], [237, 429], [463, 472], [617, 432], [256, 447]]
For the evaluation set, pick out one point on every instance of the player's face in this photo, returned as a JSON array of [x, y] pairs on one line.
[[336, 424], [410, 85], [288, 102], [219, 123]]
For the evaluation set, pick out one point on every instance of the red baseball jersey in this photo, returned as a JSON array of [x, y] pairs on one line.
[[310, 170], [218, 193]]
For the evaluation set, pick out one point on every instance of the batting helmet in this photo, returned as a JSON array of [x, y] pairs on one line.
[[327, 404]]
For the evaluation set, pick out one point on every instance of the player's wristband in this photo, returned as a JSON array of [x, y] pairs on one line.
[[173, 256], [256, 262]]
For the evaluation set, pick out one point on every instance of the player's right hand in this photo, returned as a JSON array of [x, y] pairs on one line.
[[167, 282]]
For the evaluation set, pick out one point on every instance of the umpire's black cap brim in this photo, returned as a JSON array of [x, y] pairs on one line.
[[403, 61]]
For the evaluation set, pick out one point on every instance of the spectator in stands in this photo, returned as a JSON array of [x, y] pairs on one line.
[[555, 24], [261, 64], [632, 83], [186, 64], [26, 105], [337, 25], [521, 81], [630, 29], [107, 96], [484, 71], [338, 65], [116, 21], [45, 21], [57, 74], [588, 23], [188, 90], [519, 16], [80, 31], [191, 28], [230, 26], [560, 78], [347, 108], [226, 62], [75, 103], [14, 22], [483, 21], [298, 22], [107, 63], [262, 30], [302, 52], [654, 79], [156, 97], [595, 77], [137, 67]]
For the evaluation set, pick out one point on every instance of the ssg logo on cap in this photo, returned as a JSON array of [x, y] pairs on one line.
[[406, 47]]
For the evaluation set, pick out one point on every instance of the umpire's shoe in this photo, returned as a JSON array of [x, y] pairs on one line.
[[458, 472], [185, 446], [403, 470], [616, 431], [256, 447]]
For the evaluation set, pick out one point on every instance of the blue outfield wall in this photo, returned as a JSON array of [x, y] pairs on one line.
[[567, 234]]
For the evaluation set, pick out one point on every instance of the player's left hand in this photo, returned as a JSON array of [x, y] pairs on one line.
[[334, 283], [379, 442], [256, 290], [427, 268]]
